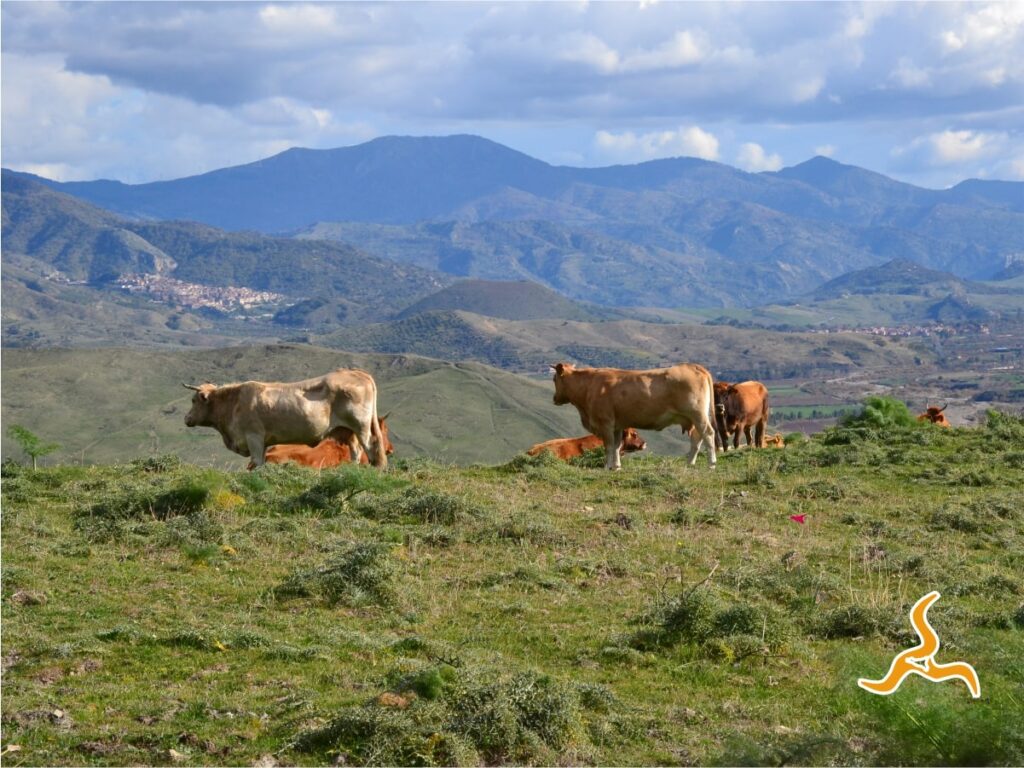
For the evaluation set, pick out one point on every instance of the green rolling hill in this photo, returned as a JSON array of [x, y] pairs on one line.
[[118, 404]]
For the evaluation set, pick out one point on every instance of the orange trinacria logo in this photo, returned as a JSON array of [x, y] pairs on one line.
[[920, 660]]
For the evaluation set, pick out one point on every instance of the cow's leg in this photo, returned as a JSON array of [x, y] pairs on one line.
[[746, 434], [612, 456], [354, 447], [703, 434], [372, 441], [257, 449], [759, 432], [721, 433]]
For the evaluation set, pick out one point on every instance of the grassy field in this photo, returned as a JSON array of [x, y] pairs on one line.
[[156, 612]]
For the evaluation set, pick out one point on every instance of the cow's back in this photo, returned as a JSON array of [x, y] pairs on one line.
[[655, 398]]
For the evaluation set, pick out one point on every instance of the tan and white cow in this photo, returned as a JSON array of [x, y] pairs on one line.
[[610, 400], [253, 415]]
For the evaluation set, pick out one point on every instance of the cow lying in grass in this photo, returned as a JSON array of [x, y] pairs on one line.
[[566, 448], [935, 415], [328, 453]]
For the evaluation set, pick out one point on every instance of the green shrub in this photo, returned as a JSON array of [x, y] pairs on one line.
[[418, 506], [461, 717], [362, 574], [335, 489], [881, 413], [721, 631]]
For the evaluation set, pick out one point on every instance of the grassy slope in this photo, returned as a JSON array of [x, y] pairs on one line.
[[118, 404], [124, 640], [530, 345]]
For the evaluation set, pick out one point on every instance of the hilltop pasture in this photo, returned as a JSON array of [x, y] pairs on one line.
[[530, 612]]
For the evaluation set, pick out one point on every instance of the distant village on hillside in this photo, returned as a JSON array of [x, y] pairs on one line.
[[195, 296]]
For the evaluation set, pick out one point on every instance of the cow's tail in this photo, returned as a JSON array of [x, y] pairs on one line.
[[712, 416], [379, 455]]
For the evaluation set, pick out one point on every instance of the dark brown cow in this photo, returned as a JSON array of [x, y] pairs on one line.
[[741, 406], [610, 400], [935, 415], [566, 448], [253, 415], [328, 453]]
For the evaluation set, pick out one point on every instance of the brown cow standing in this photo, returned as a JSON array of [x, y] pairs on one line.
[[253, 415], [935, 415], [609, 400], [328, 453], [566, 448], [741, 406]]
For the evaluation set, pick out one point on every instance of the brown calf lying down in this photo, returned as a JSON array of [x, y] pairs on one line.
[[935, 415], [328, 453], [566, 448], [775, 441]]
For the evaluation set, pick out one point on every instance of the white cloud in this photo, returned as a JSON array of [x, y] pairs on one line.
[[825, 150], [995, 24], [752, 157], [960, 146], [689, 141], [681, 50], [908, 76]]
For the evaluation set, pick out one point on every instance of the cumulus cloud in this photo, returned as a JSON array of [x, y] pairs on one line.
[[753, 158], [954, 147], [690, 141], [117, 77]]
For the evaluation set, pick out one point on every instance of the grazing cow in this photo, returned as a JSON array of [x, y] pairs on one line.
[[253, 415], [741, 406], [935, 415], [609, 400], [570, 447], [328, 453]]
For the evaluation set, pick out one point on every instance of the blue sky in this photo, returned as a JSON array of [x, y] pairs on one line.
[[930, 93]]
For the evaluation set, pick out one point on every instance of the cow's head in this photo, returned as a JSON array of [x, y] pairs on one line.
[[633, 441], [933, 413], [720, 388], [561, 372], [201, 413], [388, 447]]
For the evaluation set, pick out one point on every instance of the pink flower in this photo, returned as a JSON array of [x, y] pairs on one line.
[[797, 518]]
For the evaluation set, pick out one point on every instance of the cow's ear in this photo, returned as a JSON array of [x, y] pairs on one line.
[[558, 368]]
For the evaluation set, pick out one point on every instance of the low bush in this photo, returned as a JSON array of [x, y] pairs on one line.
[[444, 716], [362, 574]]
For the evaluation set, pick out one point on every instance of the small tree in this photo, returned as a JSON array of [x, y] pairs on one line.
[[32, 445]]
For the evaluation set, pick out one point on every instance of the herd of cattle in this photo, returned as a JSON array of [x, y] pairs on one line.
[[332, 419]]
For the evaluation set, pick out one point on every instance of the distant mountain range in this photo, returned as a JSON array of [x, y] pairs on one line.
[[57, 236], [669, 233]]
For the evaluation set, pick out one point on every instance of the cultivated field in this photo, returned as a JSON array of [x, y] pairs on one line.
[[155, 612]]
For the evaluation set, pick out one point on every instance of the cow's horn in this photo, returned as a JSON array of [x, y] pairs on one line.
[[943, 407], [189, 386], [385, 416]]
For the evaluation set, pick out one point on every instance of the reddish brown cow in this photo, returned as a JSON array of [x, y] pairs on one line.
[[935, 415], [328, 453], [610, 399], [566, 448], [741, 406]]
